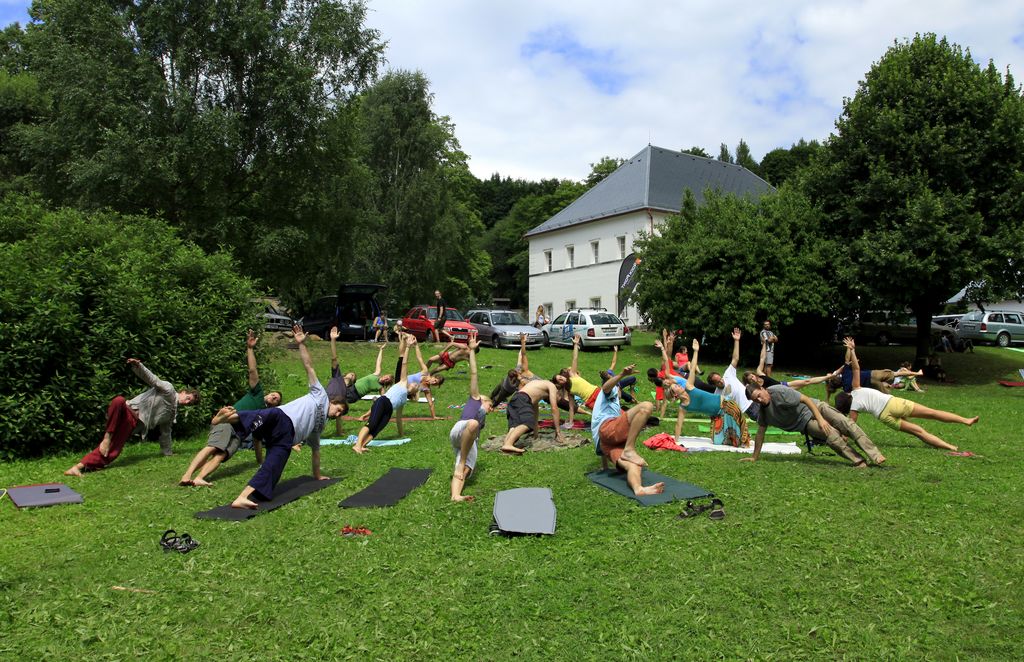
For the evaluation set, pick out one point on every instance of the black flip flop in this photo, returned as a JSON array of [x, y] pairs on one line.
[[169, 540], [717, 509], [692, 510]]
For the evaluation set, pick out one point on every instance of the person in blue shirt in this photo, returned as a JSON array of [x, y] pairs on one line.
[[728, 424], [615, 432]]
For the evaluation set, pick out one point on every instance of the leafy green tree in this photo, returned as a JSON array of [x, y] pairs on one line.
[[598, 171], [696, 151], [496, 195], [422, 230], [745, 159], [781, 165], [724, 154], [22, 103], [700, 270], [508, 247], [13, 58], [923, 181]]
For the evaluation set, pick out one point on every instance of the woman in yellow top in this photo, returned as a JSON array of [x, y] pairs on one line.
[[568, 380]]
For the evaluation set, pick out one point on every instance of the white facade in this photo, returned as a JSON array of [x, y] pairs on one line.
[[565, 271]]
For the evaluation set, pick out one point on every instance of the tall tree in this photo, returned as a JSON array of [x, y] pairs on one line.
[[496, 195], [696, 151], [923, 181], [724, 154], [746, 159], [781, 165], [598, 171]]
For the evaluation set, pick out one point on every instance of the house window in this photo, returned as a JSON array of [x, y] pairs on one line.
[[593, 250], [570, 257], [622, 247], [595, 302], [547, 260], [570, 304]]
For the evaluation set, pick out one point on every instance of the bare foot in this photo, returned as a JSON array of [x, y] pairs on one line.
[[360, 449], [73, 471], [468, 498], [880, 461], [634, 457], [241, 502], [861, 465], [199, 482], [512, 450], [657, 488], [972, 421], [222, 415], [185, 482]]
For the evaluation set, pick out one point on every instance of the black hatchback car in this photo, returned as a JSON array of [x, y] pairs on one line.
[[352, 310]]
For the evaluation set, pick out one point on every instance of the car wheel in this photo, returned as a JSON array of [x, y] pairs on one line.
[[495, 341], [1003, 339], [547, 341], [883, 338]]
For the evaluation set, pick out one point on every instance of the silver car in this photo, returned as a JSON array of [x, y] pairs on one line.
[[1002, 327], [501, 328], [596, 326]]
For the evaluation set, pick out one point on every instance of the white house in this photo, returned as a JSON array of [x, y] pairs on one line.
[[576, 255]]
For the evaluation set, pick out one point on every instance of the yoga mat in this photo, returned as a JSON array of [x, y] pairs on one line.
[[576, 425], [351, 440], [674, 489], [525, 510], [404, 418], [388, 490], [1008, 383], [700, 444], [39, 496], [370, 396], [286, 492]]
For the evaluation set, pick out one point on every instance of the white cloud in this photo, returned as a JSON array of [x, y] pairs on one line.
[[694, 74]]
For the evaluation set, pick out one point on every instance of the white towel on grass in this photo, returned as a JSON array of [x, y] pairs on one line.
[[701, 444]]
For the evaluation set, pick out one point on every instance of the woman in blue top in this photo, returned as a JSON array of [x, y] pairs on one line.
[[728, 425], [393, 401]]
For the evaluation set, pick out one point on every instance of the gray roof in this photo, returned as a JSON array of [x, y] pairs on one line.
[[655, 179]]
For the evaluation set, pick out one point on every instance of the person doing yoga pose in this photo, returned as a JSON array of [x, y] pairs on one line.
[[393, 401], [893, 411], [465, 433]]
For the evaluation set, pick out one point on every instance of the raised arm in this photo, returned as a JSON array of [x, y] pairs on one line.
[[851, 352], [250, 358], [380, 358], [615, 358], [474, 384], [334, 348], [694, 369], [307, 360], [577, 340], [410, 340], [524, 363], [735, 347], [613, 382], [151, 380]]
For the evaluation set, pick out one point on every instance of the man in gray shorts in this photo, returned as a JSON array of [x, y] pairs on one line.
[[222, 442], [768, 340], [523, 411]]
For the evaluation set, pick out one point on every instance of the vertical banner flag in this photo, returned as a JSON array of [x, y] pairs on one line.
[[627, 279]]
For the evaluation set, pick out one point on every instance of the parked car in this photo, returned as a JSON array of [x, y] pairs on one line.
[[597, 326], [952, 321], [501, 328], [419, 321], [884, 327], [1002, 327], [276, 319], [352, 310]]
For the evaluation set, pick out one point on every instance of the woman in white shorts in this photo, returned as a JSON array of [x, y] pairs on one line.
[[893, 411]]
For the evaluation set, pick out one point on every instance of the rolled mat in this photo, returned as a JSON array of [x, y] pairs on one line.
[[674, 490], [38, 496], [387, 490], [286, 492], [1008, 383]]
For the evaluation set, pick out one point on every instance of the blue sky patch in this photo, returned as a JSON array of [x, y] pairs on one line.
[[599, 66]]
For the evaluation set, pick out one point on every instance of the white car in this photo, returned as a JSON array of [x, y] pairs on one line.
[[596, 326]]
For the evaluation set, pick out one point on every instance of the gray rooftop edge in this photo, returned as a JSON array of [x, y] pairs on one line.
[[655, 178]]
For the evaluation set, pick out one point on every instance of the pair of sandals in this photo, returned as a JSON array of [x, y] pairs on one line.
[[692, 509], [172, 542]]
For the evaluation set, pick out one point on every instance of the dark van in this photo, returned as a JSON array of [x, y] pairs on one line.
[[352, 310]]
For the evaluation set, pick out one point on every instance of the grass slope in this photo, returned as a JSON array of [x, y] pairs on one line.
[[921, 559]]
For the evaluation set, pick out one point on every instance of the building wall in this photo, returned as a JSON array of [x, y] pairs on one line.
[[585, 279]]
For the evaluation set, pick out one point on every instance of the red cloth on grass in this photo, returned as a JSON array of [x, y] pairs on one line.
[[663, 441]]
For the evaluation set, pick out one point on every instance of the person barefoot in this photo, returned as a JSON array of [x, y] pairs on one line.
[[615, 432], [392, 402], [466, 431], [222, 443], [523, 409], [279, 428]]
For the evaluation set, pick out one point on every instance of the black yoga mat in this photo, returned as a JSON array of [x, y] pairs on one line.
[[674, 490], [286, 492], [37, 496], [387, 490]]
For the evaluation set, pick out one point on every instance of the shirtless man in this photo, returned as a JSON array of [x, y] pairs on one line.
[[523, 410], [448, 357], [615, 433]]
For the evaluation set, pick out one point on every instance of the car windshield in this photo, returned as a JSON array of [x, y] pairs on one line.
[[604, 318], [508, 318], [453, 316]]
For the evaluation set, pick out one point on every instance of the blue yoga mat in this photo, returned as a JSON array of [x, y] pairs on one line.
[[351, 440], [674, 490]]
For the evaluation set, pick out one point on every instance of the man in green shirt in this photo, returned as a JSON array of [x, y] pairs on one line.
[[222, 442]]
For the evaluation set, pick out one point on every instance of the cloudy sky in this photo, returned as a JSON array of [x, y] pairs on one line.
[[541, 89]]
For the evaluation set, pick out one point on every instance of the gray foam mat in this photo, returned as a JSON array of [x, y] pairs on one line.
[[525, 510], [39, 496]]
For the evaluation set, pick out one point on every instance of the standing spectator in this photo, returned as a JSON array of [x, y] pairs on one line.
[[541, 317], [768, 339], [442, 314]]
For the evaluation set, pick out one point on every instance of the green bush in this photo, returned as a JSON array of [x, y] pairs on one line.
[[80, 293]]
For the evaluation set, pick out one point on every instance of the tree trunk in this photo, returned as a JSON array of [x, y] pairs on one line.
[[923, 313]]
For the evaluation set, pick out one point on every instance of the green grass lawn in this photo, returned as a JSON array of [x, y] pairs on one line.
[[922, 559]]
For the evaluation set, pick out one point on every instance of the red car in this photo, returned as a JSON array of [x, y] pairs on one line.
[[419, 321]]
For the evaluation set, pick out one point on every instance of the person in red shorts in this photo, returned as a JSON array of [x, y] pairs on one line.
[[615, 432], [448, 357], [155, 408]]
